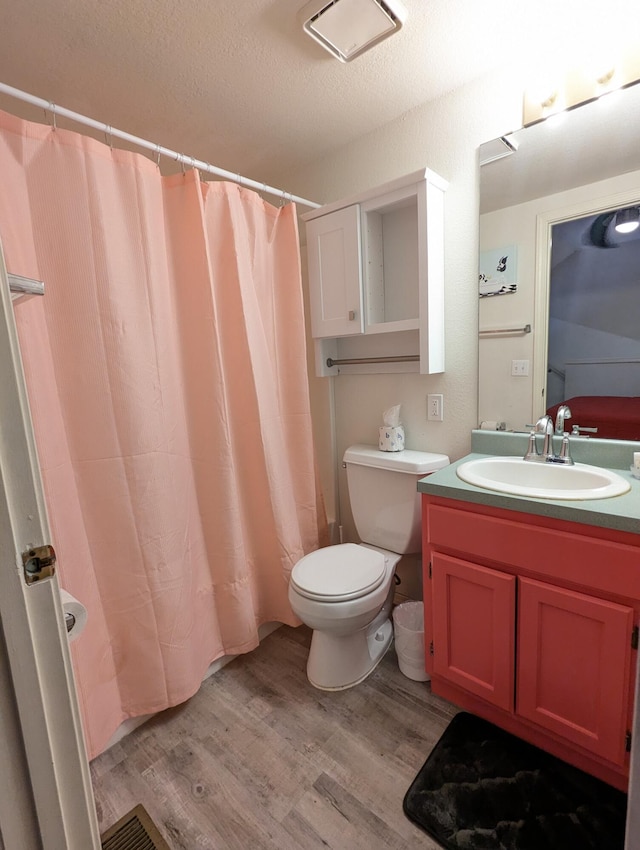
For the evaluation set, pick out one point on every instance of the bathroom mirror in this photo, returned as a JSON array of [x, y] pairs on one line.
[[579, 167]]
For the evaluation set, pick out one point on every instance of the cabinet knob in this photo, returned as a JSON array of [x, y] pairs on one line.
[[352, 315]]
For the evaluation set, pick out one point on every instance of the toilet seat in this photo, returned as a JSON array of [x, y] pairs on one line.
[[339, 573]]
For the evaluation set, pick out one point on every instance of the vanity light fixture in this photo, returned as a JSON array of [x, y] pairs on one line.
[[348, 28], [605, 79], [550, 101], [627, 220], [561, 88]]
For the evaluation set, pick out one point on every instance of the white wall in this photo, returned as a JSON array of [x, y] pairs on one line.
[[501, 396], [443, 135]]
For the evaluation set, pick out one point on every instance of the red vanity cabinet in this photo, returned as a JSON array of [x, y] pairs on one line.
[[473, 619], [530, 623], [573, 666]]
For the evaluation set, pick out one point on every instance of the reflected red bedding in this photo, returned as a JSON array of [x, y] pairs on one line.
[[615, 417]]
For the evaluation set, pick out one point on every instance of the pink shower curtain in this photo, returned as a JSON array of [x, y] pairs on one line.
[[167, 377]]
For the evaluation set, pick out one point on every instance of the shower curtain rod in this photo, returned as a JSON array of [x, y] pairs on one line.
[[151, 146]]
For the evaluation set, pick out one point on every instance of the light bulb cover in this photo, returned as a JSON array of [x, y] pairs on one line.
[[627, 220]]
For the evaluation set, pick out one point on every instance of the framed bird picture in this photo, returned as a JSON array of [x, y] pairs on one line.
[[498, 271]]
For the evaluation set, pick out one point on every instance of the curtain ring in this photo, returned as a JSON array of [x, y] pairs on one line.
[[52, 109], [108, 135], [158, 156]]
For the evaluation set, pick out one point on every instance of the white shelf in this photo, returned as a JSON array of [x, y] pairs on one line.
[[376, 276]]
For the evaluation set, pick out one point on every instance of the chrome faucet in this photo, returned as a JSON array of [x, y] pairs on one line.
[[563, 413], [545, 426]]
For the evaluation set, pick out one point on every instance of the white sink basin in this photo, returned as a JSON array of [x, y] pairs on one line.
[[542, 480]]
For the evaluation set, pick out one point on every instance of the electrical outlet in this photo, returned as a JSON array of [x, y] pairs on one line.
[[435, 407], [520, 368]]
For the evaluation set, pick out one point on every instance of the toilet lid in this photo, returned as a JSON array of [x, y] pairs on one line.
[[338, 573]]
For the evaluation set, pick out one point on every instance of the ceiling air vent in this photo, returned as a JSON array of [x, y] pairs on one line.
[[497, 149], [347, 28]]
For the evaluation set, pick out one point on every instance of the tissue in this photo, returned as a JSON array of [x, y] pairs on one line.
[[75, 614], [391, 434]]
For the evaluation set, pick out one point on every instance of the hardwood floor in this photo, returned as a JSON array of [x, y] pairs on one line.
[[259, 759]]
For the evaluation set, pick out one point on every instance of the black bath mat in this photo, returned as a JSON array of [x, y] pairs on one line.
[[484, 789]]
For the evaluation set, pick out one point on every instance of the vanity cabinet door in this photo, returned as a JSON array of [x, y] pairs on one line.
[[474, 628], [335, 276], [573, 666]]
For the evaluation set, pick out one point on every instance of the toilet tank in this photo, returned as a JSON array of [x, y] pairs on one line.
[[383, 493]]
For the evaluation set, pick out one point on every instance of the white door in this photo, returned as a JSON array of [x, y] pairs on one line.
[[46, 799]]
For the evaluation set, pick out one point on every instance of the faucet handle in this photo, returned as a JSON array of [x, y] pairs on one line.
[[532, 452], [565, 451], [576, 429]]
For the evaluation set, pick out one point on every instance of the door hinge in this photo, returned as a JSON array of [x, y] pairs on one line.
[[431, 648], [634, 638], [38, 563], [627, 742], [429, 569]]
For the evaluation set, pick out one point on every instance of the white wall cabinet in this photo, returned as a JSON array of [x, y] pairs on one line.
[[376, 278], [335, 279]]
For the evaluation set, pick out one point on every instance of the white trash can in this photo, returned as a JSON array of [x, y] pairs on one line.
[[408, 630]]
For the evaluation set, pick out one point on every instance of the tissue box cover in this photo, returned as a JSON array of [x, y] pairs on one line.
[[391, 439]]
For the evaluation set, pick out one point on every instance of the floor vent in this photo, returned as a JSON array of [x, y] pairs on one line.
[[134, 831]]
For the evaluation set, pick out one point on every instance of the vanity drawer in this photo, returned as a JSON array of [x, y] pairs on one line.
[[568, 551]]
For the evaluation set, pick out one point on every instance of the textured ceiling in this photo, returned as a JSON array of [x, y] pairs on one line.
[[238, 84]]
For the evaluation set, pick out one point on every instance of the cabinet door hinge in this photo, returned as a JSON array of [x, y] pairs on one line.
[[429, 569], [431, 648], [634, 638], [627, 742]]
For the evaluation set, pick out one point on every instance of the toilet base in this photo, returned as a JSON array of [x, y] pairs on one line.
[[337, 662]]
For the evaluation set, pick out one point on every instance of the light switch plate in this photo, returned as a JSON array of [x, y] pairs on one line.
[[520, 368]]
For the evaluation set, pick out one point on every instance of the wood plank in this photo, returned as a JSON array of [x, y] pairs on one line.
[[259, 758]]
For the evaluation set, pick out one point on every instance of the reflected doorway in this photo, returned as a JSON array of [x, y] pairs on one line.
[[593, 356], [594, 317]]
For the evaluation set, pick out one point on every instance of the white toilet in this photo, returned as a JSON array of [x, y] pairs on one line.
[[345, 592]]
